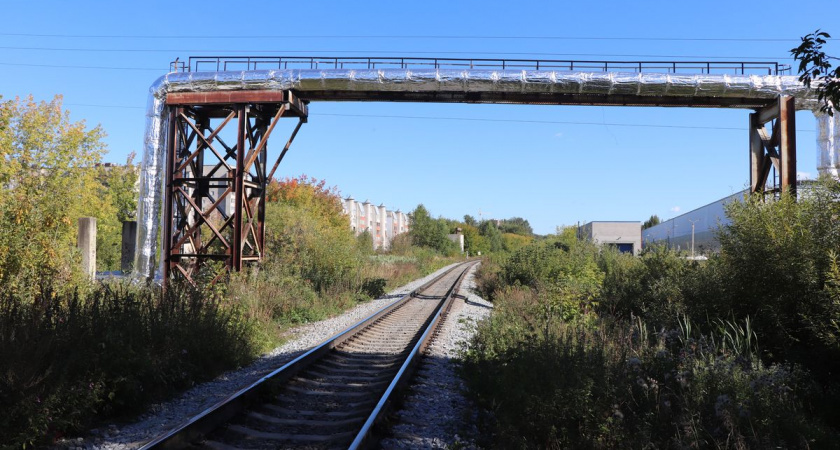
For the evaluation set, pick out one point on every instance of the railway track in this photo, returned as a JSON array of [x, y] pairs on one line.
[[335, 394]]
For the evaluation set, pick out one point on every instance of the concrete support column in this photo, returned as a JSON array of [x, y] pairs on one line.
[[129, 240], [354, 215], [86, 241], [383, 227]]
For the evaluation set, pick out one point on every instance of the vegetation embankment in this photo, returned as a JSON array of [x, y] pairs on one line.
[[73, 352], [317, 267], [592, 348]]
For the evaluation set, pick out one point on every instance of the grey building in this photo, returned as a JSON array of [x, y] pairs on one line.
[[702, 223], [625, 236]]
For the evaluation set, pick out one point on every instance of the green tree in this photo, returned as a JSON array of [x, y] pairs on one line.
[[429, 232], [474, 242], [491, 233], [308, 236], [117, 202], [815, 68], [512, 242], [652, 222], [516, 225], [470, 220], [49, 180], [120, 182]]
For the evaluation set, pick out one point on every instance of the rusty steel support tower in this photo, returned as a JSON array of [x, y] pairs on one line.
[[775, 150], [216, 179]]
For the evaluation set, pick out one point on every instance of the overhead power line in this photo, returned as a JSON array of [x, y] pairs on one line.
[[379, 52], [61, 66], [416, 36]]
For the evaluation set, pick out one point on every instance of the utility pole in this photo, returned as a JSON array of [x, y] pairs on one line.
[[692, 235]]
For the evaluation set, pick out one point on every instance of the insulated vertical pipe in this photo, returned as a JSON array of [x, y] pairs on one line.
[[828, 144]]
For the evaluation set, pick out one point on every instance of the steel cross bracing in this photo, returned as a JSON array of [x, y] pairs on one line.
[[217, 174], [775, 150]]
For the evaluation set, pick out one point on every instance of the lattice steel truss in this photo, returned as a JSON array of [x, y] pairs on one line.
[[216, 179], [775, 150]]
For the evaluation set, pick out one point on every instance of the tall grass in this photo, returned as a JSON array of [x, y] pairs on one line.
[[66, 360], [554, 384]]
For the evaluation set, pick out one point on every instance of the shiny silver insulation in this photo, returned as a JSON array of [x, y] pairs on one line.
[[442, 80], [828, 144]]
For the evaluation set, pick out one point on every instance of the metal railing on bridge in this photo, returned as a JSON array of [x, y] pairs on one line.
[[229, 63]]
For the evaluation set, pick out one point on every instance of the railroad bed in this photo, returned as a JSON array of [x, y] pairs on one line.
[[333, 395]]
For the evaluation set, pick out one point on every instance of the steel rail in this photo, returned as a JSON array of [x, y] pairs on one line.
[[209, 419], [402, 377]]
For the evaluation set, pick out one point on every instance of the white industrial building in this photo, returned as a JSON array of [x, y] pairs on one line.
[[625, 236], [382, 224]]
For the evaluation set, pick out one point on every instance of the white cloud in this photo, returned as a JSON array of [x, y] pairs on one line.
[[558, 135], [675, 209]]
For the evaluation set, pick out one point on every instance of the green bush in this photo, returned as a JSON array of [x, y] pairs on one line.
[[488, 280], [374, 287], [778, 265], [649, 286], [554, 375]]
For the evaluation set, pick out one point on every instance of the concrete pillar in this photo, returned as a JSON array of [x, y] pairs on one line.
[[354, 216], [383, 227], [368, 225], [129, 240], [86, 241]]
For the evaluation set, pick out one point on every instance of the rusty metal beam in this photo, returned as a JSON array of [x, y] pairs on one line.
[[756, 155], [766, 114], [776, 150], [238, 190], [787, 144], [169, 195], [297, 106], [536, 98]]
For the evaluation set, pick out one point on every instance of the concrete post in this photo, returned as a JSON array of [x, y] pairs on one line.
[[368, 208], [129, 240], [354, 216], [383, 227], [86, 241]]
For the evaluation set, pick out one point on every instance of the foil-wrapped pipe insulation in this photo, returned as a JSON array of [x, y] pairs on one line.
[[828, 144], [151, 188], [508, 82]]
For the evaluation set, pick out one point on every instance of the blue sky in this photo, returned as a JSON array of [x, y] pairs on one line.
[[553, 165]]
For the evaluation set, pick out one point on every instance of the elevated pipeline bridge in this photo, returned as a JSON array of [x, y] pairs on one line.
[[209, 120]]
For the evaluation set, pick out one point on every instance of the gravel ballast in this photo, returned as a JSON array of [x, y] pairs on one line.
[[164, 416]]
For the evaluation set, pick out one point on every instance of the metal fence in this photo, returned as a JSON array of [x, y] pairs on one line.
[[235, 63]]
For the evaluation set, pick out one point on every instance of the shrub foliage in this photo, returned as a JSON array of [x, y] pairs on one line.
[[588, 347]]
